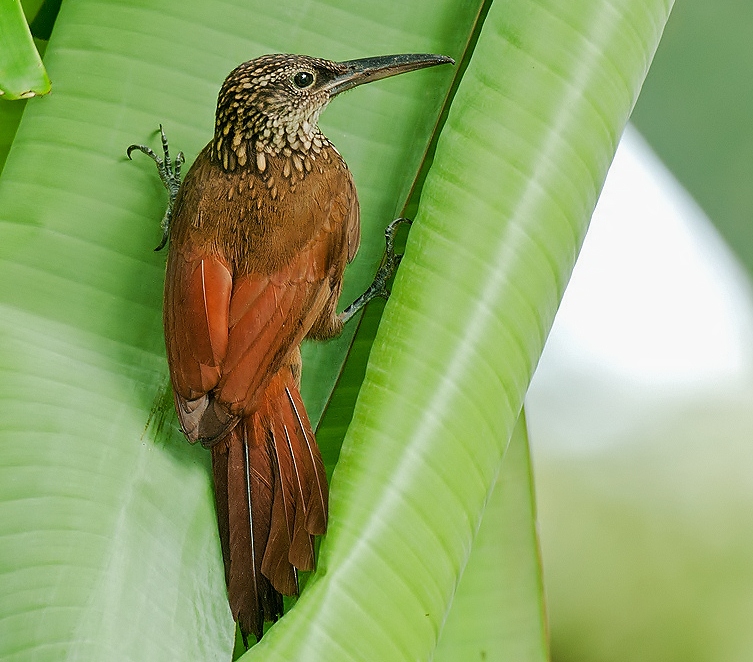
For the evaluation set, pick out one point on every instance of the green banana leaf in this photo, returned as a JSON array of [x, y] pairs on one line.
[[631, 553], [696, 110], [516, 174], [10, 113], [22, 74], [10, 116], [494, 613], [108, 546]]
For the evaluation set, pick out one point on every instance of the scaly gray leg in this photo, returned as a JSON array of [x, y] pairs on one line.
[[379, 287], [169, 173]]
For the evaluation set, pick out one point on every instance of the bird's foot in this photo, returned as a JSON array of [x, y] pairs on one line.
[[169, 173], [387, 269]]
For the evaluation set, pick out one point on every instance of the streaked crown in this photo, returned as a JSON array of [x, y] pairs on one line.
[[271, 104]]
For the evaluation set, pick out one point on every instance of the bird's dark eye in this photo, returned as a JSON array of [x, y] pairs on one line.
[[303, 79]]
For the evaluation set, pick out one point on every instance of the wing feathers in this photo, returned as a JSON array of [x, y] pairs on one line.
[[245, 295], [249, 359], [197, 303], [206, 304]]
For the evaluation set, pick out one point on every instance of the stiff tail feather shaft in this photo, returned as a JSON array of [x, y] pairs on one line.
[[271, 495]]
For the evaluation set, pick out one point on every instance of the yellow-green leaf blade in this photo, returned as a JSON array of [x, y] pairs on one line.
[[517, 172], [498, 612]]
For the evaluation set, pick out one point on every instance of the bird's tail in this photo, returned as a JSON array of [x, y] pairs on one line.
[[271, 493]]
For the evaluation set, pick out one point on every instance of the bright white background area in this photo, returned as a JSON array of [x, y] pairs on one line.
[[641, 426], [657, 305], [656, 295]]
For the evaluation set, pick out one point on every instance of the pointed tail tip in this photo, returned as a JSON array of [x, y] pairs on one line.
[[251, 624]]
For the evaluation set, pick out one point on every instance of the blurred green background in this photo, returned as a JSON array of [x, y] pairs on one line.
[[647, 534], [696, 110]]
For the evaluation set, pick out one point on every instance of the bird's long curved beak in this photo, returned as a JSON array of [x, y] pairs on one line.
[[369, 69]]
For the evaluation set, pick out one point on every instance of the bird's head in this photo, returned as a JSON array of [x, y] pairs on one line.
[[272, 103]]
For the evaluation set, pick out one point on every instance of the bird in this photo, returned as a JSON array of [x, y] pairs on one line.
[[260, 231]]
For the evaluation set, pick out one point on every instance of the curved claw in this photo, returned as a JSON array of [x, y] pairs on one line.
[[387, 269], [142, 148], [163, 242], [169, 173], [391, 230]]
